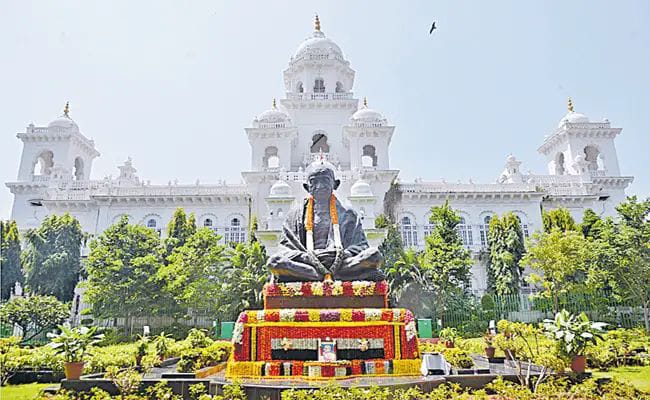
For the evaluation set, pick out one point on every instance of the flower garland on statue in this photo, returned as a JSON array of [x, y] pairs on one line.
[[338, 245]]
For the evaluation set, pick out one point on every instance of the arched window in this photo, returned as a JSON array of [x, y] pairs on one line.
[[465, 232], [319, 85], [235, 232], [428, 226], [78, 168], [591, 156], [369, 150], [319, 143], [299, 88], [271, 157], [484, 229], [559, 164], [44, 163], [153, 224], [409, 232], [339, 88]]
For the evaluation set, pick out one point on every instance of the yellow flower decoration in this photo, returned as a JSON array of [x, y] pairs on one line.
[[314, 315], [346, 314]]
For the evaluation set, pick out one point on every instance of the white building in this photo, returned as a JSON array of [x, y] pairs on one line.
[[318, 117]]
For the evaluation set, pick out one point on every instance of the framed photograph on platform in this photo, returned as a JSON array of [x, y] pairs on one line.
[[326, 350]]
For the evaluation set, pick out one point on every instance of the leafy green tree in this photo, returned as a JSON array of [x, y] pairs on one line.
[[52, 257], [193, 272], [506, 248], [559, 218], [122, 268], [34, 314], [242, 280], [179, 230], [10, 268], [591, 225], [443, 268], [563, 259], [627, 242], [392, 248]]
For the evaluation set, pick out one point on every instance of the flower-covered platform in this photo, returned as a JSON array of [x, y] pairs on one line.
[[284, 342]]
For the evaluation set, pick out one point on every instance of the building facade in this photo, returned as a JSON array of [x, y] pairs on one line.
[[318, 120]]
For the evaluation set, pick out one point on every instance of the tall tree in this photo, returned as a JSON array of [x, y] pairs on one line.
[[193, 274], [10, 267], [443, 268], [506, 248], [243, 280], [559, 218], [179, 229], [591, 225], [562, 258], [629, 246], [392, 249], [122, 269], [52, 257]]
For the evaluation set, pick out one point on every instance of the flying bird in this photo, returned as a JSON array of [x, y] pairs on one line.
[[433, 26]]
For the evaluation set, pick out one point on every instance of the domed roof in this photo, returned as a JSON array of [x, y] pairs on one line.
[[317, 43], [280, 189], [367, 116], [361, 188], [64, 121], [573, 117], [272, 118]]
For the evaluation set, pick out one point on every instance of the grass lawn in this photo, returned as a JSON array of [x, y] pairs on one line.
[[28, 391], [637, 376]]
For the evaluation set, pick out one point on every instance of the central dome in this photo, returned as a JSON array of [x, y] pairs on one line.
[[317, 46]]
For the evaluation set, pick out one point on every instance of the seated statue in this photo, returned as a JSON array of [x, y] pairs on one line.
[[323, 240]]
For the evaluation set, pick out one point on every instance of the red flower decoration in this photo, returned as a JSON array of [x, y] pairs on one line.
[[358, 315], [306, 289], [301, 316], [347, 289], [387, 315], [381, 287], [272, 316]]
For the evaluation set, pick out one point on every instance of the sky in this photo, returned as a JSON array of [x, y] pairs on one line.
[[172, 84]]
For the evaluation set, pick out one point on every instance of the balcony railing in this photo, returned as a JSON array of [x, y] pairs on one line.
[[320, 96]]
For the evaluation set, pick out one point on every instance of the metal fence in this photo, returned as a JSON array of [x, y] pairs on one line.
[[600, 306]]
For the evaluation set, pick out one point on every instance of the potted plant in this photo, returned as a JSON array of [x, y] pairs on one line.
[[73, 344], [141, 351], [488, 339], [162, 343], [449, 336], [507, 339], [573, 334]]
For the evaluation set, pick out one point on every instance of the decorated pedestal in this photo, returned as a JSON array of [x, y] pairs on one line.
[[288, 342]]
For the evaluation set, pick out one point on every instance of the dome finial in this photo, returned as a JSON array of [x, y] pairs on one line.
[[317, 23], [273, 104], [66, 109], [569, 104], [365, 102]]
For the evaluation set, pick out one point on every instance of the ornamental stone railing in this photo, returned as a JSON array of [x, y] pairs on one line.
[[320, 96]]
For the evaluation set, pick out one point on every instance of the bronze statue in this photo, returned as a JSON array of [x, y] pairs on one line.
[[321, 239]]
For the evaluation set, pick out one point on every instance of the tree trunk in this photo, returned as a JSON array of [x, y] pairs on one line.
[[646, 315]]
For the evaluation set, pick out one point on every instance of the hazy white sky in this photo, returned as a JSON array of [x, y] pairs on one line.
[[173, 83]]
